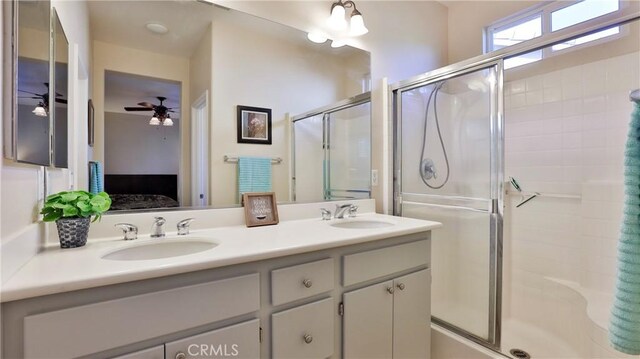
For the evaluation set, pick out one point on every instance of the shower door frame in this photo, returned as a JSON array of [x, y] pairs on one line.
[[326, 111], [605, 22], [496, 193]]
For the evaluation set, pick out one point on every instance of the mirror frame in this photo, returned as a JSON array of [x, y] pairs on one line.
[[53, 85]]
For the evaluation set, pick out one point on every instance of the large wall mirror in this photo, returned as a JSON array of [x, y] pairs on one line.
[[168, 79], [36, 125]]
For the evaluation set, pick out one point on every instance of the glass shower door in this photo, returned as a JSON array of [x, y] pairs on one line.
[[348, 162], [448, 169]]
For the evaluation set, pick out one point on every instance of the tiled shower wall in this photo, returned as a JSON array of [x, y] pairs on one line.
[[565, 134]]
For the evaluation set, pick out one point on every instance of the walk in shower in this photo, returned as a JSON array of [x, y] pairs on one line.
[[526, 269], [331, 151]]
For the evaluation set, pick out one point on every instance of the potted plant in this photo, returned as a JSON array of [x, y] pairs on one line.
[[72, 211]]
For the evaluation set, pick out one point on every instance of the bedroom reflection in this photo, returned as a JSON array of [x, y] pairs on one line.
[[142, 156]]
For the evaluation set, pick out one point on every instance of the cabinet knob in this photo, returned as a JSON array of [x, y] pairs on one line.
[[401, 286], [307, 283], [390, 290], [181, 355], [308, 338]]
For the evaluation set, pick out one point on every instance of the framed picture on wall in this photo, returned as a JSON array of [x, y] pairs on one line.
[[254, 125], [90, 124], [260, 209]]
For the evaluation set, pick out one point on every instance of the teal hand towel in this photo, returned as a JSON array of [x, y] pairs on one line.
[[624, 329], [96, 177], [254, 174]]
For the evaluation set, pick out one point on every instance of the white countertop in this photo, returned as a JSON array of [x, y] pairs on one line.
[[56, 270]]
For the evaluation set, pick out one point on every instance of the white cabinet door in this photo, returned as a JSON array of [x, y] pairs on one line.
[[304, 332], [368, 322], [151, 353], [412, 315], [237, 341]]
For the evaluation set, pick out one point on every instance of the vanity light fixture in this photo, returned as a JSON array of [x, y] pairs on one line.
[[338, 43], [337, 19], [316, 37], [40, 110]]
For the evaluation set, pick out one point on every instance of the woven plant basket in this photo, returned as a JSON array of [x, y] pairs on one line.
[[73, 232]]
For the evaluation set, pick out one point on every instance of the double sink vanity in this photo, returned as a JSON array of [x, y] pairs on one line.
[[305, 288]]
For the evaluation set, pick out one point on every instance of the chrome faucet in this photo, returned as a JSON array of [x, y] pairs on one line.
[[352, 211], [157, 229], [326, 214], [130, 230], [342, 209], [183, 226]]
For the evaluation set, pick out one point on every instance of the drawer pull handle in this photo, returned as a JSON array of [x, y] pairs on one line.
[[308, 338], [307, 283], [401, 286], [390, 290], [181, 355]]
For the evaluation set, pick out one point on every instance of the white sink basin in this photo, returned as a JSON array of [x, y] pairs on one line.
[[161, 248], [362, 224]]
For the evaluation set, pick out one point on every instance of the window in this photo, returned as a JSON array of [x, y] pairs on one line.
[[550, 18]]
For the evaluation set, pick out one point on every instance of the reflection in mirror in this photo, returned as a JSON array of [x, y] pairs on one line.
[[60, 81], [31, 137], [220, 59]]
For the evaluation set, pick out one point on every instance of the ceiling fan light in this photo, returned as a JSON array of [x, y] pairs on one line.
[[336, 19], [167, 122], [357, 27], [40, 111], [154, 121]]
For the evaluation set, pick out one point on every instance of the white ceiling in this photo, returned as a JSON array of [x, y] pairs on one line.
[[123, 23]]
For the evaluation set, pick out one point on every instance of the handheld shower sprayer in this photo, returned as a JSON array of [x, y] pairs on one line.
[[427, 165]]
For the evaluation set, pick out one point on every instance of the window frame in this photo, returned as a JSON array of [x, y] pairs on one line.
[[545, 10]]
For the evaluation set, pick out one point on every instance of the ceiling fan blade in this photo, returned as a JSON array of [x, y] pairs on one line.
[[146, 104], [58, 95], [61, 100], [31, 97], [32, 93], [138, 109]]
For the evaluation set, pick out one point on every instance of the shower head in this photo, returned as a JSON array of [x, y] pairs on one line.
[[634, 95]]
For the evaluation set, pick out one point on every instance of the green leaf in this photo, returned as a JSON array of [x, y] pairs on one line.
[[70, 211], [61, 205], [83, 206], [69, 197], [52, 216]]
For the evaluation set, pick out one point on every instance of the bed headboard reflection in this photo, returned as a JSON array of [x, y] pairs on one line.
[[166, 185]]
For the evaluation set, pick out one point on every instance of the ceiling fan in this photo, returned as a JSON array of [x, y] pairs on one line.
[[160, 112], [42, 109]]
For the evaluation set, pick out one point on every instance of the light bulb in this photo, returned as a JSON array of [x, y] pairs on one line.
[[167, 122], [40, 111], [336, 19], [316, 37], [154, 121], [357, 25]]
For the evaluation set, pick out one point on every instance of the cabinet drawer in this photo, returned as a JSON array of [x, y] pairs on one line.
[[304, 332], [128, 320], [237, 341], [364, 266], [301, 281]]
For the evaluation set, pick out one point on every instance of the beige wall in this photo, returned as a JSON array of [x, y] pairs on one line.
[[21, 185], [117, 58], [468, 19]]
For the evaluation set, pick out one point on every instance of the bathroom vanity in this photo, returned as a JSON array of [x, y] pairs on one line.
[[307, 288]]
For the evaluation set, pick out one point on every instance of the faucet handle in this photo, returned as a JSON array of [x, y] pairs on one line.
[[159, 221], [352, 211], [183, 226], [130, 230], [326, 214]]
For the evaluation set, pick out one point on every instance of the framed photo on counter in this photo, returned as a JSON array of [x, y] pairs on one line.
[[260, 209]]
